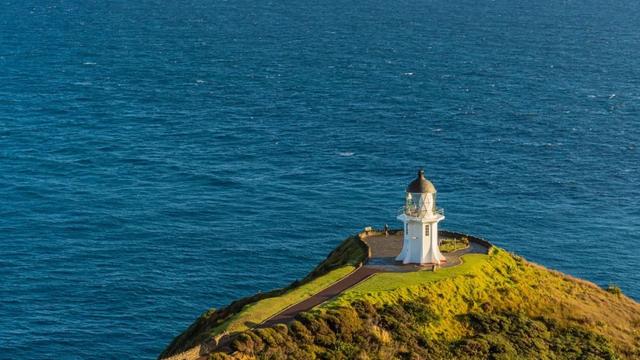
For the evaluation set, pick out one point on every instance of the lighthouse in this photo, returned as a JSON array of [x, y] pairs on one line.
[[420, 217]]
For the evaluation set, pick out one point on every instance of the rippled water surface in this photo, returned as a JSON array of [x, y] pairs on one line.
[[158, 158]]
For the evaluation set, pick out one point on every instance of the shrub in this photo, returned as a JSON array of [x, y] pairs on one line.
[[453, 244], [364, 330], [614, 289]]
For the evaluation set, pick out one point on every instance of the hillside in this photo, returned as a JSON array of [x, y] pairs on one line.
[[214, 325], [496, 306]]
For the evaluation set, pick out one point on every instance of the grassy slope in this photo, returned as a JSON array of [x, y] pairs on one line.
[[385, 282], [260, 311], [497, 306], [243, 313]]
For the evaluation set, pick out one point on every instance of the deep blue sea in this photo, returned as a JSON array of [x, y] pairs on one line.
[[158, 158]]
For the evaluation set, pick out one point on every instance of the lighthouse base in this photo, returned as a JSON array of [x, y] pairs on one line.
[[416, 251], [420, 244]]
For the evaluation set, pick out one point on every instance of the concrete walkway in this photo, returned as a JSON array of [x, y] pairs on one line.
[[385, 248]]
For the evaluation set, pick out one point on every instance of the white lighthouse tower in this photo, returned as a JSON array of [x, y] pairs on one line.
[[420, 217]]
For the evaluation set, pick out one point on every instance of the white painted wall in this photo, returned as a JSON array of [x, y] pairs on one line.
[[417, 247]]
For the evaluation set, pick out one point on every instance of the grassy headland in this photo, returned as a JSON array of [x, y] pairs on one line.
[[245, 313], [495, 306]]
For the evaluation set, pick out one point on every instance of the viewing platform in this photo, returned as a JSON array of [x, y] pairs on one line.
[[384, 249]]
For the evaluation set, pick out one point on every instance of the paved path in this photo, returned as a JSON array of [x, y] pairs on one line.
[[287, 315], [341, 285]]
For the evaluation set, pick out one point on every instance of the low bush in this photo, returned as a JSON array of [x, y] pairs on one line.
[[613, 289], [453, 244]]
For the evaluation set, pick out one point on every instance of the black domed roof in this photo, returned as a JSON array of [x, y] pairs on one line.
[[421, 185]]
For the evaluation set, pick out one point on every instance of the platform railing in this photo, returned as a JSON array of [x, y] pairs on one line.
[[415, 212]]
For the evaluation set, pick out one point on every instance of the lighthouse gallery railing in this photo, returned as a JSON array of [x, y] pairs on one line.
[[416, 212]]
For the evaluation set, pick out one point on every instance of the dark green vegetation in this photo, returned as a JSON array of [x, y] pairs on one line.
[[209, 325], [504, 308], [395, 331], [613, 289]]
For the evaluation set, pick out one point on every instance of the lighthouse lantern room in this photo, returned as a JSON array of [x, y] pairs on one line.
[[420, 217]]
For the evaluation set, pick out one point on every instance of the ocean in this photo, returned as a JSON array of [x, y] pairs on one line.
[[158, 158]]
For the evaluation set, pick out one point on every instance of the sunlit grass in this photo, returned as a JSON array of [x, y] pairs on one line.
[[262, 310], [501, 282], [247, 312], [392, 281]]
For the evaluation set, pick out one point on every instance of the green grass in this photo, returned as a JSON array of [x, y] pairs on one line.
[[378, 285], [243, 313], [338, 264], [382, 284], [260, 311]]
